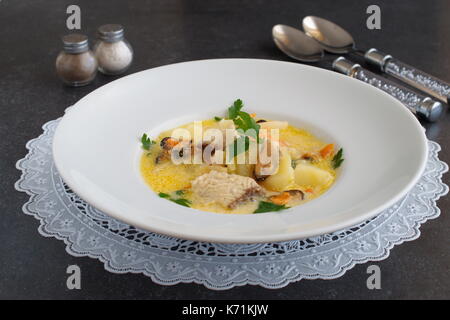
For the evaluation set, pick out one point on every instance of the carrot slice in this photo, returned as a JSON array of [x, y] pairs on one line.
[[327, 150], [172, 142], [281, 198]]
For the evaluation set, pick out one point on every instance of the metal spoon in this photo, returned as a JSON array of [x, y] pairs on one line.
[[337, 40], [297, 45]]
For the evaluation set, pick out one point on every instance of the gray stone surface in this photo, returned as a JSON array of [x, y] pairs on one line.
[[164, 32]]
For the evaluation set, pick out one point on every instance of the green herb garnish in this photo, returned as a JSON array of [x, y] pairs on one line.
[[245, 122], [240, 118], [240, 145], [293, 163], [180, 201], [179, 192], [269, 207], [234, 110], [164, 195], [146, 142], [217, 119], [246, 126], [337, 159]]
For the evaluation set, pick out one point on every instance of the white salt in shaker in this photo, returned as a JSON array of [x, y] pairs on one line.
[[114, 53]]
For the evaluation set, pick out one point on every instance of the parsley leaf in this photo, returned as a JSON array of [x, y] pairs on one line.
[[246, 125], [293, 164], [182, 202], [245, 122], [337, 159], [269, 207], [146, 142], [235, 109], [217, 119], [242, 119], [163, 195], [179, 192], [240, 145]]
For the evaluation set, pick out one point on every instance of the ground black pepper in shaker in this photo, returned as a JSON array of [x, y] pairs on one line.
[[76, 65]]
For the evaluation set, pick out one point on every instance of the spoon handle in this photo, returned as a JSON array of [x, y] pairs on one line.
[[420, 105], [410, 75]]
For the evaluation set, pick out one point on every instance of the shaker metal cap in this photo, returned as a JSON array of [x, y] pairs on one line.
[[75, 43], [111, 32]]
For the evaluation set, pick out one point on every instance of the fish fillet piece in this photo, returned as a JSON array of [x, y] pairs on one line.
[[226, 189]]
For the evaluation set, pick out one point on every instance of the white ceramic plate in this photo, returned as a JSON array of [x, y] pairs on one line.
[[96, 146]]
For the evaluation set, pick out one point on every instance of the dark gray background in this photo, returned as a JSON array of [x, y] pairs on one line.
[[164, 32]]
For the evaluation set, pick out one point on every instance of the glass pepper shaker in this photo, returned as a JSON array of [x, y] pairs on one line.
[[114, 53], [76, 65]]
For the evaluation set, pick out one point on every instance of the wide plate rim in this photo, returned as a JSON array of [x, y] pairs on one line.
[[243, 238]]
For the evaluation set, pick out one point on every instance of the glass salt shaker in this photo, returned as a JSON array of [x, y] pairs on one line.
[[114, 53], [76, 65]]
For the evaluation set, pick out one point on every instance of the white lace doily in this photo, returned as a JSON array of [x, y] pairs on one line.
[[123, 248]]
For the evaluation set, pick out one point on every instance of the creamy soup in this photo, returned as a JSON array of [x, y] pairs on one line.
[[305, 167]]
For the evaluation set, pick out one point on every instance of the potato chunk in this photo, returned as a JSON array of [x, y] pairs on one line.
[[308, 175], [284, 177], [245, 170]]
